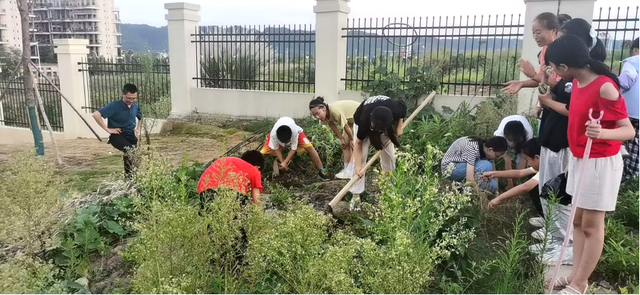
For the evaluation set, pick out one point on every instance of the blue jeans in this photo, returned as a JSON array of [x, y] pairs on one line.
[[459, 173]]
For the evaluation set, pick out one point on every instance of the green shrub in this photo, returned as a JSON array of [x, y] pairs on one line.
[[30, 194], [27, 276], [628, 207], [620, 259]]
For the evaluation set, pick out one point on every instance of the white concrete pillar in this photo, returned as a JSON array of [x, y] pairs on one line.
[[70, 53], [331, 48], [182, 20], [527, 98]]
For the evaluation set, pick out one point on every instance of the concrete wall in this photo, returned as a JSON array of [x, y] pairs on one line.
[[248, 103], [450, 101], [14, 135]]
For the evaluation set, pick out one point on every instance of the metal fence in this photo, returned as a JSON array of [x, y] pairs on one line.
[[617, 28], [472, 55], [269, 58], [104, 78], [14, 105]]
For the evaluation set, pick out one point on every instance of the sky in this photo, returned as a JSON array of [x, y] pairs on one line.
[[261, 12]]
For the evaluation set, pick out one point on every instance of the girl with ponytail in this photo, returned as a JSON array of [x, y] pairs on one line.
[[555, 153], [595, 88], [377, 120], [338, 115]]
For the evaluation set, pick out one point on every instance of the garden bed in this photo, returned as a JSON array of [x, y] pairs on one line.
[[415, 233]]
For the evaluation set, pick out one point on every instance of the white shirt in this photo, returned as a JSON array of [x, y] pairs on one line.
[[275, 144], [521, 119]]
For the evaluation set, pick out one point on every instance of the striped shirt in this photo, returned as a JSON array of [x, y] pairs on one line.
[[463, 150]]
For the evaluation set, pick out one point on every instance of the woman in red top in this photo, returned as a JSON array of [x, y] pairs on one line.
[[594, 87]]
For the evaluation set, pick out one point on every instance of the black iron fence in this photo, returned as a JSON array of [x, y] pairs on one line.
[[269, 58], [104, 78], [617, 28], [471, 55], [14, 105]]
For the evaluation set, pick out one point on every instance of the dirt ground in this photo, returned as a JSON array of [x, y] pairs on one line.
[[88, 162]]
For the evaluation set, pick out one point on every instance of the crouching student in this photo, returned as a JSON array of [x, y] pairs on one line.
[[468, 156], [239, 174], [531, 154], [286, 133], [377, 121], [337, 115]]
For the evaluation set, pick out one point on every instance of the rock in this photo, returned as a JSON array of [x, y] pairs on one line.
[[606, 285], [166, 128], [341, 210]]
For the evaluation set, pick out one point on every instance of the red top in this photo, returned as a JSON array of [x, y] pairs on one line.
[[583, 99], [233, 173]]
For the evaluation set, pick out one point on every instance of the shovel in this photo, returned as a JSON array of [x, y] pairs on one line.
[[355, 177]]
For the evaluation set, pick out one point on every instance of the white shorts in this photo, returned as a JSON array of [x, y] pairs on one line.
[[600, 184]]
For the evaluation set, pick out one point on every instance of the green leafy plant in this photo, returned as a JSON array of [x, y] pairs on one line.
[[417, 82], [620, 259]]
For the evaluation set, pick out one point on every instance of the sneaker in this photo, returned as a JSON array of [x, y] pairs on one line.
[[538, 248], [354, 205], [537, 221], [539, 234], [551, 257], [323, 175], [344, 174]]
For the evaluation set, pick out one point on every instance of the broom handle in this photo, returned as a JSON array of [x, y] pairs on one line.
[[68, 102], [355, 177]]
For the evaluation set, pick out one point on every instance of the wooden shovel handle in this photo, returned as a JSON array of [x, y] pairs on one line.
[[355, 177]]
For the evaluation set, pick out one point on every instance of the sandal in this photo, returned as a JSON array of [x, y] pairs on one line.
[[572, 290], [560, 283]]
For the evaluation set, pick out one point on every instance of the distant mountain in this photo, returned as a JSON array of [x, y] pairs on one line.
[[141, 38], [286, 42]]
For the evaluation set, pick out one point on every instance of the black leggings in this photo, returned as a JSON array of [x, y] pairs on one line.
[[535, 199], [124, 142]]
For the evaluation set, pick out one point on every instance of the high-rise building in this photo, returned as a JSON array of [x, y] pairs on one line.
[[95, 20]]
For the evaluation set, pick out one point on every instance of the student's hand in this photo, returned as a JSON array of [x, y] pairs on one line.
[[488, 175], [399, 132], [594, 131], [137, 131], [527, 68], [547, 71], [494, 203], [283, 166], [344, 143], [359, 171], [512, 87], [114, 130]]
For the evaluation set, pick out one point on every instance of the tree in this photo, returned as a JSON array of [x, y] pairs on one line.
[[23, 8], [9, 60], [47, 55]]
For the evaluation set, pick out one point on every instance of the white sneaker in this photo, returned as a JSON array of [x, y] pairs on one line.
[[354, 205], [551, 257], [537, 221], [344, 174], [538, 249], [539, 234]]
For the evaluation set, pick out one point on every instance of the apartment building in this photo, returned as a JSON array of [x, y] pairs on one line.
[[95, 20]]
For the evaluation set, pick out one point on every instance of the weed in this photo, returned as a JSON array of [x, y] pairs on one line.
[[620, 259]]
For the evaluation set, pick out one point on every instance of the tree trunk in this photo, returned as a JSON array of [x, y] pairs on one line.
[[23, 7]]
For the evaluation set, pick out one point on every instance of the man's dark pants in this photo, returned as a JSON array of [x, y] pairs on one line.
[[125, 142]]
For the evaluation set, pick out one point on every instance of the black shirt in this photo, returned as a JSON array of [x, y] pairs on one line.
[[362, 116], [553, 125]]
